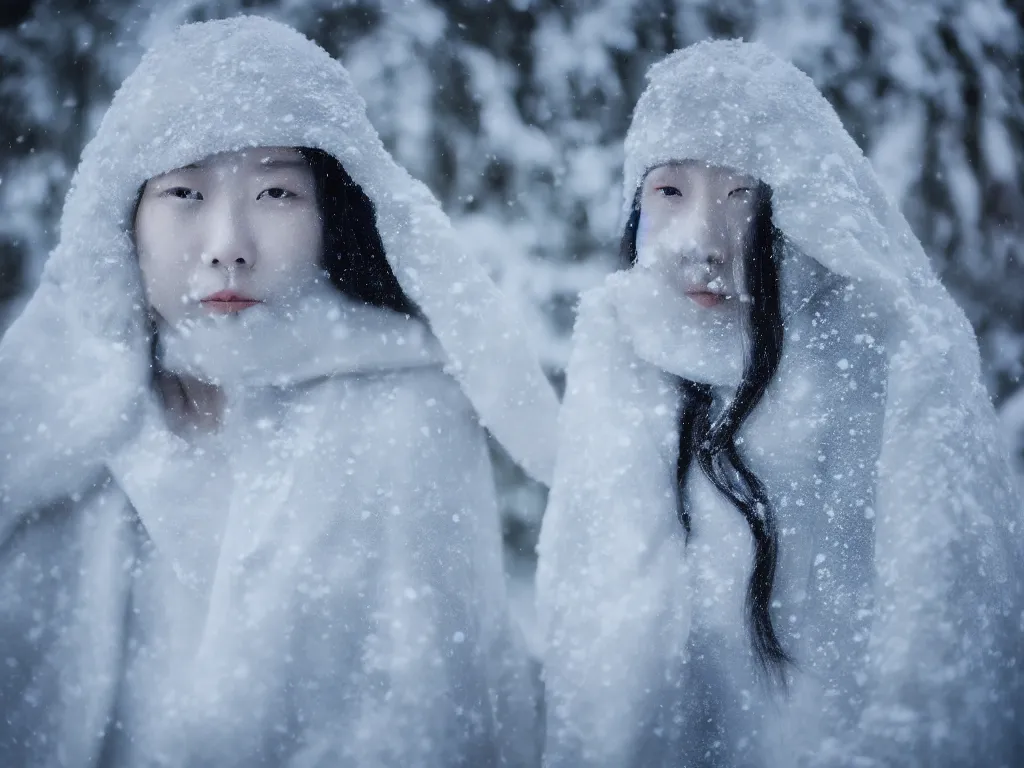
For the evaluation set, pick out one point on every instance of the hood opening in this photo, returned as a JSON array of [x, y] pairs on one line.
[[353, 253]]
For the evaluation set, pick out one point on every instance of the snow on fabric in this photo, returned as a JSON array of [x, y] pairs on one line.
[[899, 588], [320, 582]]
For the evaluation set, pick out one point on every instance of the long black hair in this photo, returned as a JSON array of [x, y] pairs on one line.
[[353, 252], [712, 441]]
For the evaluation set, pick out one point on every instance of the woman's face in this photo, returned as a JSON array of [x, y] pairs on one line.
[[694, 221], [229, 232]]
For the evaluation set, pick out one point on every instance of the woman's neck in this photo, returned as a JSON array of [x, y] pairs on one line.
[[191, 405]]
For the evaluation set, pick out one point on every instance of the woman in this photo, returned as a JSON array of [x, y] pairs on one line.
[[782, 530], [248, 512]]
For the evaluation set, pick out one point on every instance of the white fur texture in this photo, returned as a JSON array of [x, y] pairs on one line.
[[899, 589]]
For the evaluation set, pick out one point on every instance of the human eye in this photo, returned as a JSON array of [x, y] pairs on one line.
[[740, 192], [183, 193], [275, 193], [667, 190]]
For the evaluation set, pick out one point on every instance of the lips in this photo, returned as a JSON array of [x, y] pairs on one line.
[[227, 302], [706, 299]]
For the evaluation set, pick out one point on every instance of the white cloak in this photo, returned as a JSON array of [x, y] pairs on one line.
[[320, 582], [899, 586]]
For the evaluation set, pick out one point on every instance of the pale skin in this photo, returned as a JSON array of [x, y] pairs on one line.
[[694, 220], [220, 236]]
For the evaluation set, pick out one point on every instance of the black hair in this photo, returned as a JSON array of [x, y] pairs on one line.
[[712, 441], [353, 252]]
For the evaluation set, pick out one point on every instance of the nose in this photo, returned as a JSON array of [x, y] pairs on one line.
[[229, 243], [712, 256], [214, 260], [711, 235], [700, 241]]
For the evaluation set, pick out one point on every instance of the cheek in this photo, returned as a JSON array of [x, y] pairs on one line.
[[294, 244], [166, 281], [739, 242], [662, 236], [163, 242], [164, 269], [738, 278], [165, 289], [167, 270], [646, 234], [310, 242]]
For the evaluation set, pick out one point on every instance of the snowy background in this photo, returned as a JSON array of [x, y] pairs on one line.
[[513, 111]]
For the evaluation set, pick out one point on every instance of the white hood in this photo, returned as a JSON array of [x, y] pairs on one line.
[[223, 86], [900, 578]]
